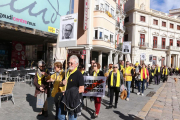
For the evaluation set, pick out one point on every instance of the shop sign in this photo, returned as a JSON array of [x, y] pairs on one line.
[[82, 56], [36, 14], [68, 30], [85, 14], [74, 51]]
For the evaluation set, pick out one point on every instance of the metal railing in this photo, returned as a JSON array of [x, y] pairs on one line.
[[143, 44], [159, 46], [117, 24]]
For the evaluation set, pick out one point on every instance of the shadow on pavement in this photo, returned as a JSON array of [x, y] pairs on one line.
[[129, 117], [32, 102]]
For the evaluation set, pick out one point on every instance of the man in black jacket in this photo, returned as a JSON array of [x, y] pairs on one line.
[[91, 67]]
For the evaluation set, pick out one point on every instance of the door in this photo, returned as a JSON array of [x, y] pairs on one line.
[[163, 43], [154, 42], [142, 40]]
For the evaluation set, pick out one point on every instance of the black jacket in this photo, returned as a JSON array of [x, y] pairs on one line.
[[72, 100], [99, 74]]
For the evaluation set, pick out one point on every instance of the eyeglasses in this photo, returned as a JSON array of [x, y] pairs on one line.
[[115, 67], [94, 66], [70, 63]]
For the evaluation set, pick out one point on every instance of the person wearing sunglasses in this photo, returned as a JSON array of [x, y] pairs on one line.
[[42, 86], [91, 67], [97, 100], [128, 73], [106, 75], [81, 69], [115, 80], [56, 78]]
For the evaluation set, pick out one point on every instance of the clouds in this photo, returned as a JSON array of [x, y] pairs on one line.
[[165, 5]]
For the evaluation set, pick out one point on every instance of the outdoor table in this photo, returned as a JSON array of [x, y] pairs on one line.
[[32, 75]]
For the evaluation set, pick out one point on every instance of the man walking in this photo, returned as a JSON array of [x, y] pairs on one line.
[[157, 74], [165, 74]]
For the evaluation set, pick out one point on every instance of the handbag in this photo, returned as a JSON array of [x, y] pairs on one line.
[[41, 98]]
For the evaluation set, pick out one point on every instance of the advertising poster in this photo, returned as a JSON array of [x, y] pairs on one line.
[[68, 30], [42, 15], [143, 56], [94, 86], [18, 54], [150, 58], [126, 48]]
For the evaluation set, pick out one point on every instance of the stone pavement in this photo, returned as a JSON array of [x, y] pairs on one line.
[[165, 104], [25, 105]]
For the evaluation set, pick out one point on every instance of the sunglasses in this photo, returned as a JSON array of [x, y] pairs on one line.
[[70, 63], [94, 66], [115, 67]]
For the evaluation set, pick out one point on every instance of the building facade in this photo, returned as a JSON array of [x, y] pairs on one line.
[[154, 34], [105, 30]]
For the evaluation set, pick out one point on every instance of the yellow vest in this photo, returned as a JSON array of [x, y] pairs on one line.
[[57, 81], [118, 79], [166, 72], [158, 70], [122, 67], [39, 78], [142, 74], [128, 71], [177, 68]]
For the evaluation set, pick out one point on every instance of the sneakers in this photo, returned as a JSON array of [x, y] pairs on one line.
[[142, 94], [127, 99], [138, 93]]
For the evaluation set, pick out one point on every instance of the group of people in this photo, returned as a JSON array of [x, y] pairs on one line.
[[68, 88]]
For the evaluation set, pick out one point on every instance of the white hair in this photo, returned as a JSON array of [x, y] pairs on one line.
[[40, 63], [116, 65], [74, 57]]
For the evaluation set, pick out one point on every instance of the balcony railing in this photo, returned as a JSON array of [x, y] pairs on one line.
[[143, 44], [159, 46], [119, 47], [98, 38], [117, 24], [118, 8], [174, 48]]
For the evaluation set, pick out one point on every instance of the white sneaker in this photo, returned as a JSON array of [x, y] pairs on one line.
[[138, 93], [127, 99], [142, 94]]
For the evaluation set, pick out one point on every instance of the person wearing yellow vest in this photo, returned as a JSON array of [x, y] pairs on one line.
[[107, 75], [56, 78], [97, 100], [74, 79], [165, 74], [128, 73], [42, 86], [81, 69], [177, 70], [144, 78], [121, 66], [115, 80], [157, 74]]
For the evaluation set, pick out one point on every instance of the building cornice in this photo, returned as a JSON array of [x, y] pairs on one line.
[[153, 14]]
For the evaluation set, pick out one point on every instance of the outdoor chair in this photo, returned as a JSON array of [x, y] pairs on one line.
[[7, 89], [13, 75], [3, 74], [30, 78], [22, 75], [21, 68]]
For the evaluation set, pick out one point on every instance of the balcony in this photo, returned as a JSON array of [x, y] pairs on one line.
[[173, 48], [159, 47], [98, 38], [119, 47], [143, 45], [122, 28], [118, 8], [117, 25]]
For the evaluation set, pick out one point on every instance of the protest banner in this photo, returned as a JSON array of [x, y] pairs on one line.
[[94, 86]]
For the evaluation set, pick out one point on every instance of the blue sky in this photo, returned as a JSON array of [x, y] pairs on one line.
[[165, 5]]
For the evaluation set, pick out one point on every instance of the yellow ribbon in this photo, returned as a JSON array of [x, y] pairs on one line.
[[118, 79]]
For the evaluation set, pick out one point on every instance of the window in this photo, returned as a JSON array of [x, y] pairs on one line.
[[142, 18], [105, 37], [163, 43], [154, 42], [107, 7], [171, 25], [126, 37], [142, 39], [178, 43], [171, 42], [155, 22], [112, 12], [178, 27], [100, 35], [126, 19], [96, 34], [164, 24], [97, 7], [111, 38]]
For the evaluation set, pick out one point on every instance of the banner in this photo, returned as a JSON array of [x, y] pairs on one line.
[[18, 54], [126, 48], [94, 86], [42, 15], [68, 30]]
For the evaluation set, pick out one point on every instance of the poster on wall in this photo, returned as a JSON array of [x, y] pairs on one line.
[[42, 15], [18, 54], [68, 30], [126, 49], [150, 58], [143, 56]]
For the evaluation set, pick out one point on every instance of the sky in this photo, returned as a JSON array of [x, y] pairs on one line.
[[165, 5]]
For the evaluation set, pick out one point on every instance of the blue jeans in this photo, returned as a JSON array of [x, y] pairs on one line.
[[128, 84], [61, 112], [139, 85], [72, 117]]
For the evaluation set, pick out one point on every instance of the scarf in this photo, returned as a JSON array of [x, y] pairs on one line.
[[82, 72], [142, 73], [158, 70], [166, 72], [95, 74], [39, 72], [118, 79]]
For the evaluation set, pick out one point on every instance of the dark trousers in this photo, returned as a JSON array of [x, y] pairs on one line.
[[165, 78], [57, 110], [132, 84], [157, 79], [141, 83], [112, 91]]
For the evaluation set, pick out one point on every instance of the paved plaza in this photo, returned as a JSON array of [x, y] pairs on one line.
[[164, 105]]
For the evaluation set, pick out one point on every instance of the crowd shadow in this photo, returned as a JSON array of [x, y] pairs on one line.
[[32, 102], [90, 111], [129, 117]]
